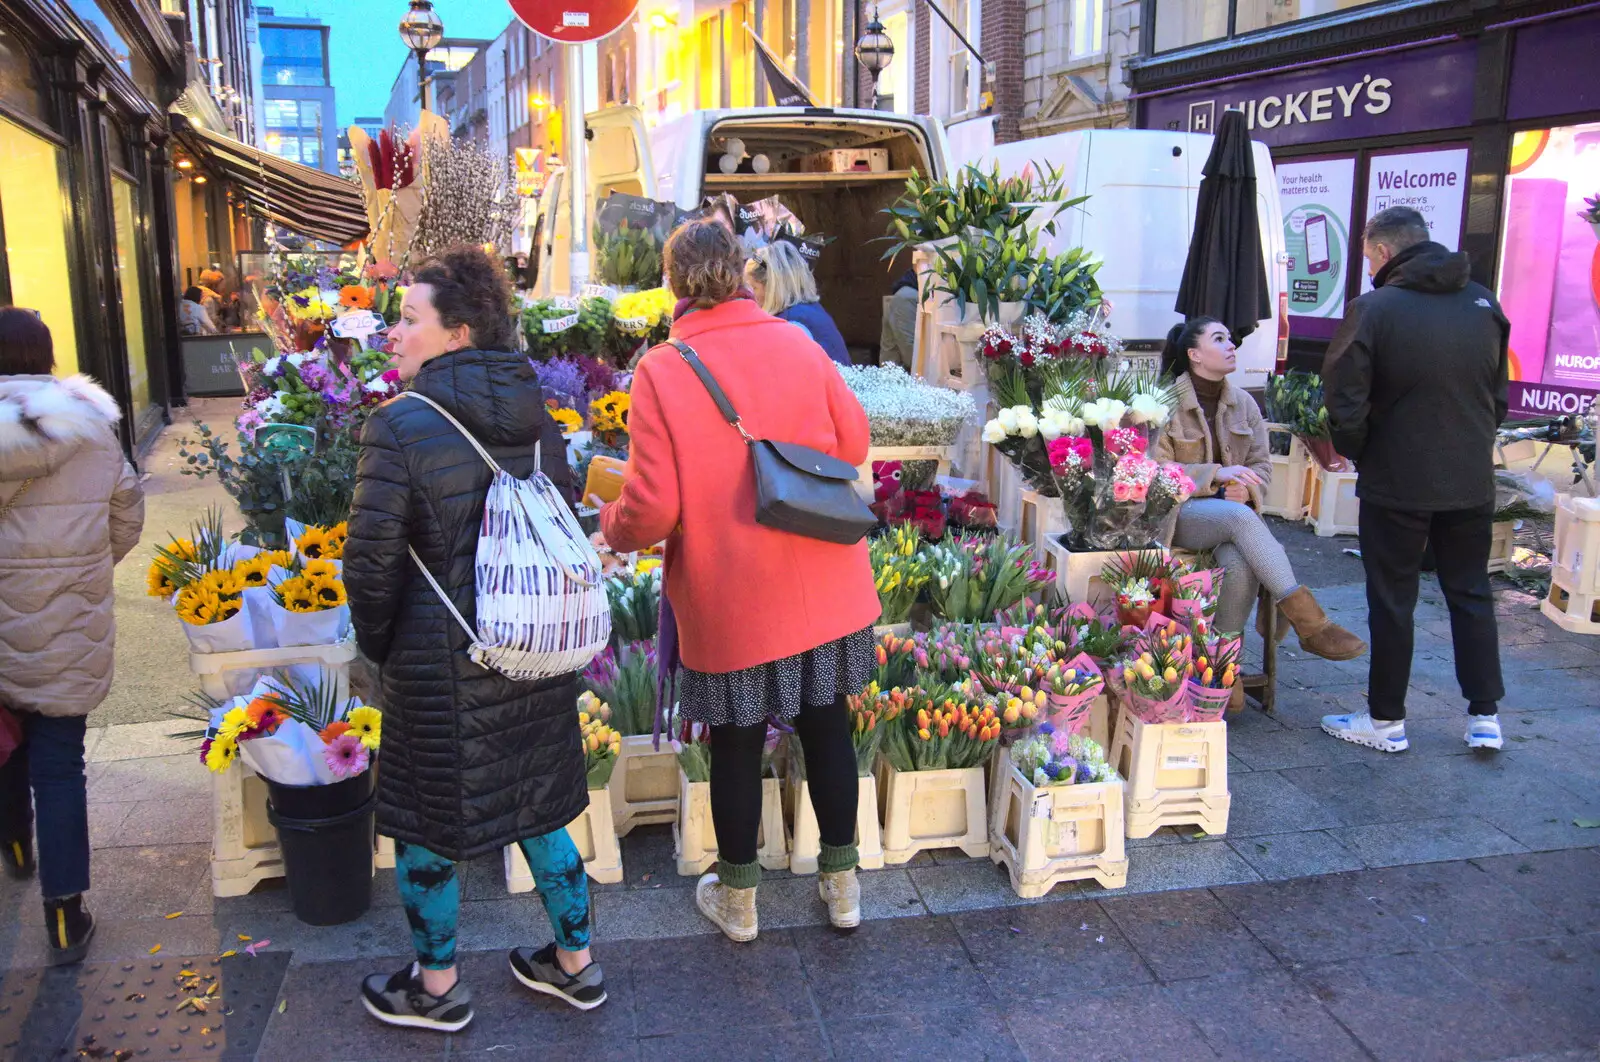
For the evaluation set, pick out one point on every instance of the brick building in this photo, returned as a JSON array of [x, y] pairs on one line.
[[1049, 65]]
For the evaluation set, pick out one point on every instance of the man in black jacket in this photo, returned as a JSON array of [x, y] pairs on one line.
[[1415, 385]]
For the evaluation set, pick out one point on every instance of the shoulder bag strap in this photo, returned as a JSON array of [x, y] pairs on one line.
[[5, 510], [476, 445], [717, 394]]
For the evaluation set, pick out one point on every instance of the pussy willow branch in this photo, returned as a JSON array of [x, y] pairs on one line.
[[467, 197]]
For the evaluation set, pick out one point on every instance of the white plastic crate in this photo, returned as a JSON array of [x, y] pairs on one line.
[[694, 837], [1334, 508], [594, 834], [1046, 835], [806, 843], [1078, 578], [1176, 774], [1574, 600], [924, 810], [644, 784], [1502, 543], [1289, 491], [1039, 521]]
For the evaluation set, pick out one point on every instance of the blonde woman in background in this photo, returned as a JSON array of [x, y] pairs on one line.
[[783, 285]]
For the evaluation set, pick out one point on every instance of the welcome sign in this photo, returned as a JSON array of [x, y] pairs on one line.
[[1404, 92]]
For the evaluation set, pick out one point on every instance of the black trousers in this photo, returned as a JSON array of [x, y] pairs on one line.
[[1392, 545], [736, 780]]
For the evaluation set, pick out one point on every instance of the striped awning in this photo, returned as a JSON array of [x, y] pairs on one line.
[[308, 201]]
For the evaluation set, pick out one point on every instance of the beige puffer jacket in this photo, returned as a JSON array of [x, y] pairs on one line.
[[82, 512]]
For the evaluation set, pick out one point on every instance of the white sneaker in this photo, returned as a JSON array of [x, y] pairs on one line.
[[1361, 729], [1483, 732]]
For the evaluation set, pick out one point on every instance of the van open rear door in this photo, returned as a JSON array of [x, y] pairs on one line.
[[619, 161]]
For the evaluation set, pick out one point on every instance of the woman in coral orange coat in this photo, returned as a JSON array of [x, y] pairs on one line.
[[769, 624]]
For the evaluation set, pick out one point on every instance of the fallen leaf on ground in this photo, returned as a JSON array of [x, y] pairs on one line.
[[230, 953], [1586, 824], [245, 936], [283, 1005], [174, 914], [155, 949]]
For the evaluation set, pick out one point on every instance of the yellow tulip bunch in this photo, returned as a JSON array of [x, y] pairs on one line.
[[1157, 672], [900, 571], [602, 743]]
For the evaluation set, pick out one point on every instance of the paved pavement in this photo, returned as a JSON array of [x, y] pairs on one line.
[[1492, 958], [1439, 904]]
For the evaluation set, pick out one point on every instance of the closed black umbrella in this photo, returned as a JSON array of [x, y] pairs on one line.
[[1224, 276]]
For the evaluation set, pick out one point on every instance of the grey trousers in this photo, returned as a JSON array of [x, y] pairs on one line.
[[1245, 550]]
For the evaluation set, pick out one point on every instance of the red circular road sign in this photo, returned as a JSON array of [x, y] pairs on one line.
[[574, 21]]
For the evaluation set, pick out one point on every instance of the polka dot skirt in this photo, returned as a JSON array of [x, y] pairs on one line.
[[818, 677]]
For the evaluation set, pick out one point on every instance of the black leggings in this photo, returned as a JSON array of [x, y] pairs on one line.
[[736, 780]]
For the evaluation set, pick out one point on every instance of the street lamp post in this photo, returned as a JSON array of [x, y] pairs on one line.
[[875, 51], [421, 31]]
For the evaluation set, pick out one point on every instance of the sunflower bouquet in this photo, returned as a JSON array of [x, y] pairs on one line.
[[608, 416], [568, 420], [314, 543], [183, 560], [309, 606], [601, 743]]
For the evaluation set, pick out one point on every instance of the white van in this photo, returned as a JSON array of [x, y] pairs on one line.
[[1143, 187], [678, 161]]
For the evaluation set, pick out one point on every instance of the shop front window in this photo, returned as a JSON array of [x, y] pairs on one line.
[[33, 258], [1550, 260], [1180, 23], [124, 197]]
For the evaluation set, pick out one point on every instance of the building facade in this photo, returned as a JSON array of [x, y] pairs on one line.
[[405, 99], [85, 191], [1486, 118], [298, 121]]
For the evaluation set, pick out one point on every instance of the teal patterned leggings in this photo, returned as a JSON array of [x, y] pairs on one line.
[[431, 894]]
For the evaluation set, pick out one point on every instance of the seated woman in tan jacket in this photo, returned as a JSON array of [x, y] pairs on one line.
[[1219, 438]]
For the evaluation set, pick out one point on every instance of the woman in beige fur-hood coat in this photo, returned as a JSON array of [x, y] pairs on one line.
[[75, 508]]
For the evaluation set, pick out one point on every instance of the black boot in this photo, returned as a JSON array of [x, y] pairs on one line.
[[70, 927], [18, 858]]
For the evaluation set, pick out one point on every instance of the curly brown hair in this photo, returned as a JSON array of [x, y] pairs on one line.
[[704, 262], [470, 288]]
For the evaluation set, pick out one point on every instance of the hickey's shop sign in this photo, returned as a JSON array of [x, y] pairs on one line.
[[1404, 92]]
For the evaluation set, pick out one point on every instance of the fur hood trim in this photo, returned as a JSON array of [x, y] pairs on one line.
[[38, 411]]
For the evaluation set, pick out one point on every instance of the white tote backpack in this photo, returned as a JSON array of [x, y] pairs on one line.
[[541, 600]]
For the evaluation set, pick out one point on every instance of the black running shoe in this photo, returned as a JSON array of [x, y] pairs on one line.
[[539, 970], [401, 1000]]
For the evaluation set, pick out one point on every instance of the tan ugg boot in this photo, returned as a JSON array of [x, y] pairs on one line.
[[842, 893], [1319, 635], [731, 910]]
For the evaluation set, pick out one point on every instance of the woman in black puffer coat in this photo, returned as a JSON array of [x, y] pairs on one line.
[[472, 760]]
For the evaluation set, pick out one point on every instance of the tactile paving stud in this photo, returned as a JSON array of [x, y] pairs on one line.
[[191, 1007]]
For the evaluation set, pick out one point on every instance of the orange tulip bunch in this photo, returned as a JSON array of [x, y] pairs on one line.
[[870, 712], [1217, 666], [943, 729]]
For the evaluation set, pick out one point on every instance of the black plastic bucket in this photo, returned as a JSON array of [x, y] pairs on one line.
[[325, 833]]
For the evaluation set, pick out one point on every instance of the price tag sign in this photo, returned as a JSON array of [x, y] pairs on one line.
[[600, 291], [566, 302], [552, 325], [357, 325]]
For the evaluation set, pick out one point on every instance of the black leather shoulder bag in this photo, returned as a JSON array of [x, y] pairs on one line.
[[798, 489]]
